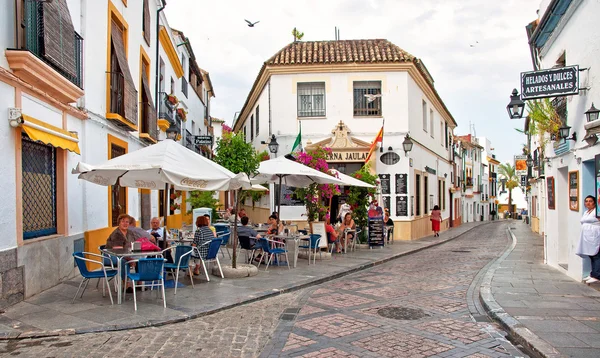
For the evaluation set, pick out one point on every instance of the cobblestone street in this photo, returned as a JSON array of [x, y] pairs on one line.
[[419, 305]]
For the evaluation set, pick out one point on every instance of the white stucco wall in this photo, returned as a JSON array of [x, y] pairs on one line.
[[8, 227]]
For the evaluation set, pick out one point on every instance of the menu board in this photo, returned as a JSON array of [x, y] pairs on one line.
[[287, 196], [574, 190], [387, 204], [376, 231], [401, 185], [401, 205], [550, 186], [385, 183]]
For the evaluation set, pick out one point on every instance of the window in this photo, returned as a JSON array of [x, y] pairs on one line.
[[148, 112], [311, 99], [439, 193], [443, 195], [123, 95], [146, 22], [38, 163], [425, 193], [117, 194], [446, 133], [431, 126], [424, 116], [417, 194], [257, 120], [252, 127], [244, 133], [442, 133], [367, 98]]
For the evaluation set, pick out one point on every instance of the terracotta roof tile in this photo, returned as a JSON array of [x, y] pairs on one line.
[[343, 51]]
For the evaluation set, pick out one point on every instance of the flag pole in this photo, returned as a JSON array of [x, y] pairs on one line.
[[382, 133]]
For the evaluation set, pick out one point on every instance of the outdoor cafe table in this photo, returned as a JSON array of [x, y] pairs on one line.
[[296, 239], [122, 253]]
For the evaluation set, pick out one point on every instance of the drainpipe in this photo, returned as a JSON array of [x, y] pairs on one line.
[[270, 129], [156, 81]]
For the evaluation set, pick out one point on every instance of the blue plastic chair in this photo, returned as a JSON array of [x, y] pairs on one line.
[[312, 247], [181, 258], [81, 259], [213, 255], [265, 245], [224, 233], [148, 270]]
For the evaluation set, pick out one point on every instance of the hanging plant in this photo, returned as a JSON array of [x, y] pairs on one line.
[[182, 114], [172, 99]]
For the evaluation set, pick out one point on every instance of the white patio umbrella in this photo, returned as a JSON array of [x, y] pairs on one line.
[[160, 165], [350, 181], [291, 173]]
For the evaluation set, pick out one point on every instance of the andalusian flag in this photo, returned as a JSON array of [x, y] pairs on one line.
[[297, 147], [378, 139]]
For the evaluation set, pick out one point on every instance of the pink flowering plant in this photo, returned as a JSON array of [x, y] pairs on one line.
[[226, 128], [316, 196]]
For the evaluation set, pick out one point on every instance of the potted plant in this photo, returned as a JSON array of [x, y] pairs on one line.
[[359, 198], [182, 114], [172, 99]]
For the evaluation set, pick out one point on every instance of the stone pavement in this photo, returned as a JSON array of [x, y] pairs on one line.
[[51, 312], [416, 306], [542, 308]]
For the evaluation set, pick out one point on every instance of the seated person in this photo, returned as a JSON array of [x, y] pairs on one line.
[[138, 232], [387, 221], [121, 236], [347, 224], [332, 236], [212, 228], [247, 231], [161, 236], [273, 227], [202, 237]]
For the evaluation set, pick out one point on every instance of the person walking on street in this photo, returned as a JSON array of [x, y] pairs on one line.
[[436, 219], [589, 239]]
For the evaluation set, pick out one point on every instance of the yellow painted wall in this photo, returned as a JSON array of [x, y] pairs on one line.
[[535, 224], [256, 214], [93, 239]]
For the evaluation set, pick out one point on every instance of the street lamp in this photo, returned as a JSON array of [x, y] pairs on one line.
[[273, 145], [172, 133], [407, 144], [592, 113], [515, 106], [529, 161], [563, 132]]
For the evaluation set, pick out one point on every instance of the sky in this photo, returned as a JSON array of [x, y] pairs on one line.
[[474, 49]]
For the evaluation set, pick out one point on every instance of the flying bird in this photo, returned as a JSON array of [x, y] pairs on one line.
[[372, 97], [251, 24], [474, 45]]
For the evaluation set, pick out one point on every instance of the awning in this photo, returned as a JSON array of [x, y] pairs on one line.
[[49, 134]]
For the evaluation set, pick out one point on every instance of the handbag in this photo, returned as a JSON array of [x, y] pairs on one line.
[[147, 245]]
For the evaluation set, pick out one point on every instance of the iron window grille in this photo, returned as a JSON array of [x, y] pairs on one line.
[[311, 99], [364, 106], [165, 108], [38, 188]]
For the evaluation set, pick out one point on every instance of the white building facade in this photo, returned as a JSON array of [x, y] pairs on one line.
[[341, 93], [566, 34]]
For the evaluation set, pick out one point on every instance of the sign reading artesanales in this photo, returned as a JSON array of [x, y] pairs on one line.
[[562, 81]]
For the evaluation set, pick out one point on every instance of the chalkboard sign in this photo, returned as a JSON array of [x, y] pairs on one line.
[[550, 185], [387, 204], [385, 183], [401, 205], [376, 231], [287, 196], [401, 185], [574, 190]]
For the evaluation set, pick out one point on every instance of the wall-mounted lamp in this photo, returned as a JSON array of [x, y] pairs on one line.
[[592, 113], [515, 106], [407, 144], [172, 133], [445, 175], [273, 145], [563, 132], [15, 118]]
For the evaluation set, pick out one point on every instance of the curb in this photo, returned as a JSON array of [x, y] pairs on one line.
[[517, 332], [259, 296]]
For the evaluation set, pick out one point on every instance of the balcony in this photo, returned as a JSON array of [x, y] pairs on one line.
[[148, 126], [41, 61], [121, 111], [166, 109]]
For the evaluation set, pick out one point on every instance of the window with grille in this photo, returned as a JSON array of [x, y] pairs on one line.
[[257, 120], [38, 163], [417, 194], [311, 99], [424, 105], [367, 98], [252, 127]]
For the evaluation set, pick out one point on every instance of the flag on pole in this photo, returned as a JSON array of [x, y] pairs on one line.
[[297, 147], [378, 139]]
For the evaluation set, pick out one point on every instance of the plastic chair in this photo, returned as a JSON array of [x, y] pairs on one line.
[[149, 270], [213, 255], [390, 233], [312, 247], [331, 245], [181, 258], [244, 242], [355, 240], [265, 245], [81, 259], [224, 233], [107, 260]]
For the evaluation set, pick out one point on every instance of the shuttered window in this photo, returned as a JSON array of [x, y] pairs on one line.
[[59, 40], [120, 70], [146, 22], [148, 110]]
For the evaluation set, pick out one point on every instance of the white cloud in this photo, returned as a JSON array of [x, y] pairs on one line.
[[474, 82]]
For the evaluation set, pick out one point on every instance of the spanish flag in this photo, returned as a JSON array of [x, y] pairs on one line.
[[378, 139]]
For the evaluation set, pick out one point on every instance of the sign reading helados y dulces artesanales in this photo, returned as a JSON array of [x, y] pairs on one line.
[[563, 81]]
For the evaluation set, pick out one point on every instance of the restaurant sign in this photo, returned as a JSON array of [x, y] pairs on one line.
[[561, 81], [203, 140], [347, 156]]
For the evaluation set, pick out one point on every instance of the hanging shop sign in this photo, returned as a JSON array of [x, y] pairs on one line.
[[574, 190], [347, 156], [520, 165], [562, 81], [203, 140]]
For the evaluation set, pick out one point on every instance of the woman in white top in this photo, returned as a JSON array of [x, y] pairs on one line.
[[589, 240]]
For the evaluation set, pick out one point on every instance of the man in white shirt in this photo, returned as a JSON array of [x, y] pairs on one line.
[[162, 237]]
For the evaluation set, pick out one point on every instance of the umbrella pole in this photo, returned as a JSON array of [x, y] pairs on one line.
[[279, 202], [166, 212]]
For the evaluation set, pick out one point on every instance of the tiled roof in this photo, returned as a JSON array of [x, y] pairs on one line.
[[339, 52]]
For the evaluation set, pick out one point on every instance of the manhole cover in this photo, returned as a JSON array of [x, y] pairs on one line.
[[402, 313], [460, 251]]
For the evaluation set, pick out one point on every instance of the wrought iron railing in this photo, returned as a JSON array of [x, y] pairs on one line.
[[166, 110], [148, 123], [33, 28], [189, 140]]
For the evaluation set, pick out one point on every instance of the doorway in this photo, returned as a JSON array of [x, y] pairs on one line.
[[562, 204]]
